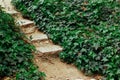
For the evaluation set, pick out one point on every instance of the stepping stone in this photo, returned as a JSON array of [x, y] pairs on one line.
[[48, 49], [28, 30], [14, 13], [37, 36], [2, 4], [40, 43], [25, 23]]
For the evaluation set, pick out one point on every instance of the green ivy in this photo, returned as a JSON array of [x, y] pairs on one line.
[[15, 54], [87, 29]]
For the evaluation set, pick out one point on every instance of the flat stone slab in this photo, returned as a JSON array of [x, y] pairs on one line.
[[37, 36], [48, 48], [12, 12], [28, 30], [40, 43], [25, 23]]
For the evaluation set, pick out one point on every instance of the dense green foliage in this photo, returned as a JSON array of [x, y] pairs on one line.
[[87, 29], [15, 54]]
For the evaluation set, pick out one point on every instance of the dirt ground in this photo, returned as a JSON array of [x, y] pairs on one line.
[[57, 70]]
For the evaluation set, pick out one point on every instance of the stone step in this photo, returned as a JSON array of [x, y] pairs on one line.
[[37, 36], [6, 4], [14, 13], [48, 49], [2, 4], [39, 43], [24, 23], [28, 30]]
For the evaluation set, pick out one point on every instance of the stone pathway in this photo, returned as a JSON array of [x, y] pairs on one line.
[[47, 52], [38, 39]]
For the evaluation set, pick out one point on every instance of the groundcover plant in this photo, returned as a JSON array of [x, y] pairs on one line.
[[87, 29], [15, 54]]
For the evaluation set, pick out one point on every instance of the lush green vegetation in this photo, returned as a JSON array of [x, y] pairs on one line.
[[87, 29], [15, 54]]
